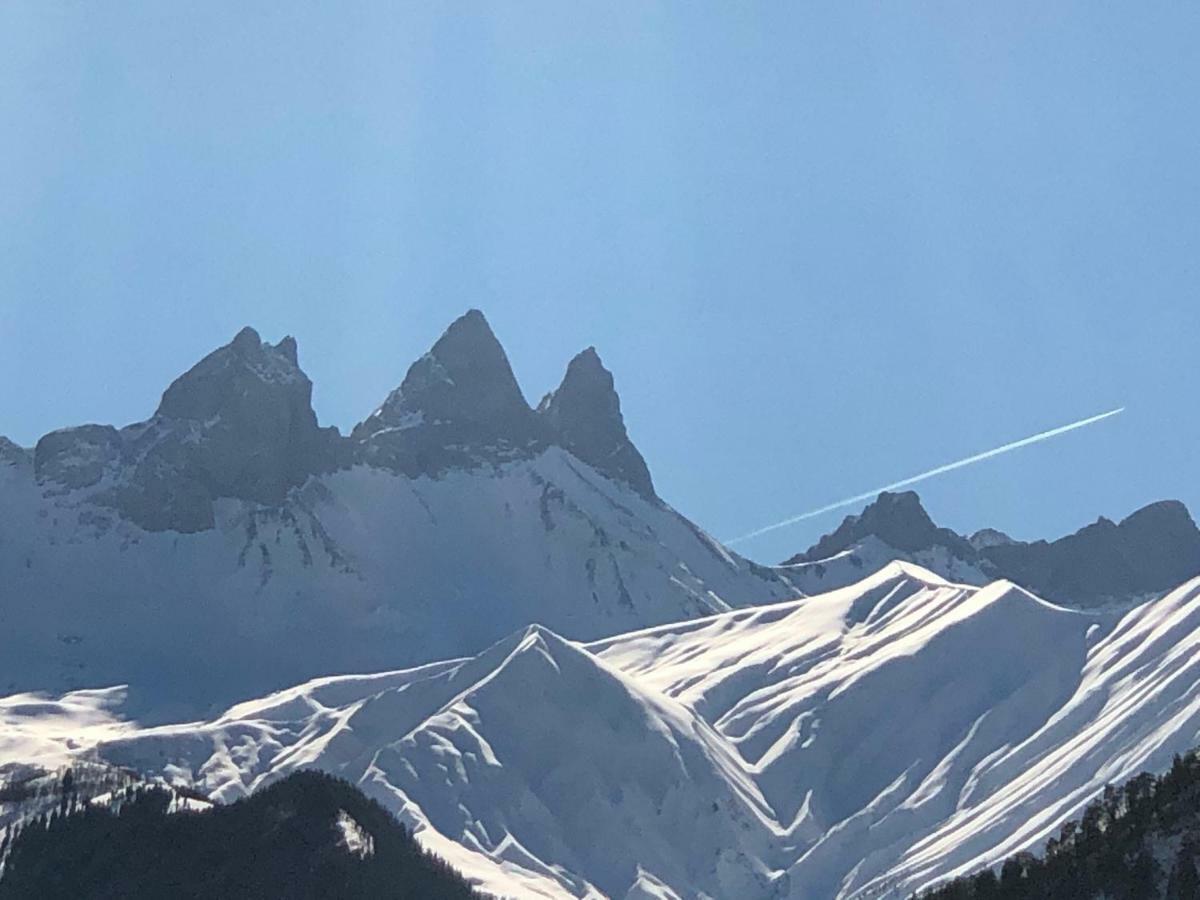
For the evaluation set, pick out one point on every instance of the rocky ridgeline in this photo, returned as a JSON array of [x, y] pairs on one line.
[[1147, 553], [240, 424]]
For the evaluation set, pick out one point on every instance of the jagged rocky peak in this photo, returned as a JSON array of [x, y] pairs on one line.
[[244, 371], [989, 537], [584, 417], [899, 520], [245, 421], [1150, 551], [1161, 517], [13, 454], [238, 424], [458, 405], [465, 377], [78, 457]]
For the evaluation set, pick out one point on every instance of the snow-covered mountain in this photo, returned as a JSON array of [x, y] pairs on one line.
[[861, 743], [1104, 564], [229, 545]]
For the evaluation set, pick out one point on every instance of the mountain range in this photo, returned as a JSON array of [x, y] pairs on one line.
[[229, 544], [1106, 563], [864, 743], [481, 613]]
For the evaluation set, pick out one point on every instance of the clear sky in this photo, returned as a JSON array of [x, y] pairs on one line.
[[821, 246]]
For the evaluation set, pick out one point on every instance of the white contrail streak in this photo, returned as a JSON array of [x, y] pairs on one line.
[[940, 470]]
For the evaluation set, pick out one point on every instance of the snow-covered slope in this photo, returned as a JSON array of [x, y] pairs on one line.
[[229, 546], [861, 743]]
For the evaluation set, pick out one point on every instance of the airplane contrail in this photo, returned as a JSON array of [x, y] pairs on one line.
[[940, 470]]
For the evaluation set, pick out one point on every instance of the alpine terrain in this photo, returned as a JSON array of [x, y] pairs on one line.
[[481, 614], [229, 545], [868, 742], [1104, 564]]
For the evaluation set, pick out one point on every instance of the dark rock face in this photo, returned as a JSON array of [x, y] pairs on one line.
[[244, 423], [1152, 550], [584, 415], [989, 537], [898, 520], [458, 406], [78, 457], [13, 454], [238, 424]]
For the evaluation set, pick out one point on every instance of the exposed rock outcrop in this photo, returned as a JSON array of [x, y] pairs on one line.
[[584, 415], [458, 406], [238, 424], [1149, 552]]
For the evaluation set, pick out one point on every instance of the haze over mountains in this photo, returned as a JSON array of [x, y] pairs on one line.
[[576, 692], [229, 545]]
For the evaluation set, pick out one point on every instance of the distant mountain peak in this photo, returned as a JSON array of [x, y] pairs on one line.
[[465, 375], [1146, 553], [897, 519], [225, 376], [989, 537], [246, 339], [13, 454], [238, 424], [459, 403], [584, 414], [1164, 513], [287, 347]]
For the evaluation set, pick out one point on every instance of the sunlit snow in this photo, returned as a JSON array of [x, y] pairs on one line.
[[861, 743]]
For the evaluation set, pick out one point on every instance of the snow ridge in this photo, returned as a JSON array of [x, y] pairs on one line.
[[862, 743]]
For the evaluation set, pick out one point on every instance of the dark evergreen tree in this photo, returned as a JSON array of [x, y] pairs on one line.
[[1184, 883], [282, 842], [1110, 851]]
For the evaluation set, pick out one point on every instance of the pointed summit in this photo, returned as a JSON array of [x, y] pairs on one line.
[[243, 366], [287, 347], [465, 377], [13, 454], [584, 415], [899, 520], [238, 424], [458, 405]]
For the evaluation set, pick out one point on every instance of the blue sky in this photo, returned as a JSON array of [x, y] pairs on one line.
[[822, 247]]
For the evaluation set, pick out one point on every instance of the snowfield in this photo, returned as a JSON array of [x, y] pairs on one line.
[[360, 569], [865, 742]]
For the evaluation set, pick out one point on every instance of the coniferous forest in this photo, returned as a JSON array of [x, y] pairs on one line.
[[1140, 841], [284, 841]]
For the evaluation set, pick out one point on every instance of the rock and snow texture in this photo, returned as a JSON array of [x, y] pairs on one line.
[[230, 546], [458, 406], [862, 743], [356, 840], [1105, 564], [239, 424], [585, 413]]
